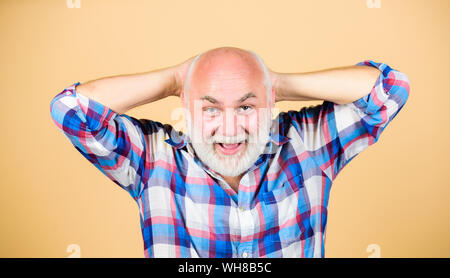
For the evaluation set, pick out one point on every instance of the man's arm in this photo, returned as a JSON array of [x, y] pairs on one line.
[[120, 146], [359, 103], [124, 92], [339, 85]]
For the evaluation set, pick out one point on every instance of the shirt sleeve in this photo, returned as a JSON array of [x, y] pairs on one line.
[[114, 143], [334, 133]]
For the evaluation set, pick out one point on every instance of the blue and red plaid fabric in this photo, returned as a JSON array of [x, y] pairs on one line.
[[188, 210]]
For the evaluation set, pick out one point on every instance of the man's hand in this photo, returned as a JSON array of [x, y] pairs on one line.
[[274, 78], [180, 73]]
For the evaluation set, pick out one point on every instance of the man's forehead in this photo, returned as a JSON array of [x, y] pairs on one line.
[[228, 76], [234, 84]]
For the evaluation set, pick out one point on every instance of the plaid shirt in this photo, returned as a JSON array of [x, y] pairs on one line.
[[188, 210]]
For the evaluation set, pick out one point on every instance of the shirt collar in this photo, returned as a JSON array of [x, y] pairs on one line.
[[177, 139]]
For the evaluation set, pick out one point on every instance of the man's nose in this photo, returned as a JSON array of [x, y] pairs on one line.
[[229, 124]]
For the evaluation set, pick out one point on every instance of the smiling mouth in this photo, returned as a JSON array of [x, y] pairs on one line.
[[229, 149]]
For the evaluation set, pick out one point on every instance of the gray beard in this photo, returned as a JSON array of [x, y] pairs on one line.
[[231, 165]]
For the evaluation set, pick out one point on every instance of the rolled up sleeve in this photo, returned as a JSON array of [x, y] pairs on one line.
[[335, 133], [114, 143]]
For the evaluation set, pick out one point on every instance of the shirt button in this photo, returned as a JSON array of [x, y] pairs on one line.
[[245, 254]]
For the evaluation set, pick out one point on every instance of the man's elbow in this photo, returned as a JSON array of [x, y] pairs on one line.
[[400, 86], [60, 105]]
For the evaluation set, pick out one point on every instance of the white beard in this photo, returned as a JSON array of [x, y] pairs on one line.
[[236, 164]]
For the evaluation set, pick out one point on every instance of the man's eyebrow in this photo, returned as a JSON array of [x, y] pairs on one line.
[[210, 99], [215, 101], [248, 95]]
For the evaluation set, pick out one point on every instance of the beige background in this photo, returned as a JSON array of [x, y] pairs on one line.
[[394, 194]]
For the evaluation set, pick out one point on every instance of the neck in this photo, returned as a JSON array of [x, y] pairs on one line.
[[233, 181]]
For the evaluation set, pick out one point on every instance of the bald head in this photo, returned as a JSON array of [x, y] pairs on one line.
[[226, 68]]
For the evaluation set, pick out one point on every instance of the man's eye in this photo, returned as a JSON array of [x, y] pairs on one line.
[[245, 108], [211, 110]]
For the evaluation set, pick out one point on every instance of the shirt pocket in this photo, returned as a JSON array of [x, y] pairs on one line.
[[286, 212]]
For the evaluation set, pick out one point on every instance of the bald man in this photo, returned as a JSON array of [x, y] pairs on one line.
[[239, 183]]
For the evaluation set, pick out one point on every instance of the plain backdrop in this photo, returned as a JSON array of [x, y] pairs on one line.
[[394, 195]]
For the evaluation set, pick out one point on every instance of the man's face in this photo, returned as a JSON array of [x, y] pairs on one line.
[[230, 119]]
